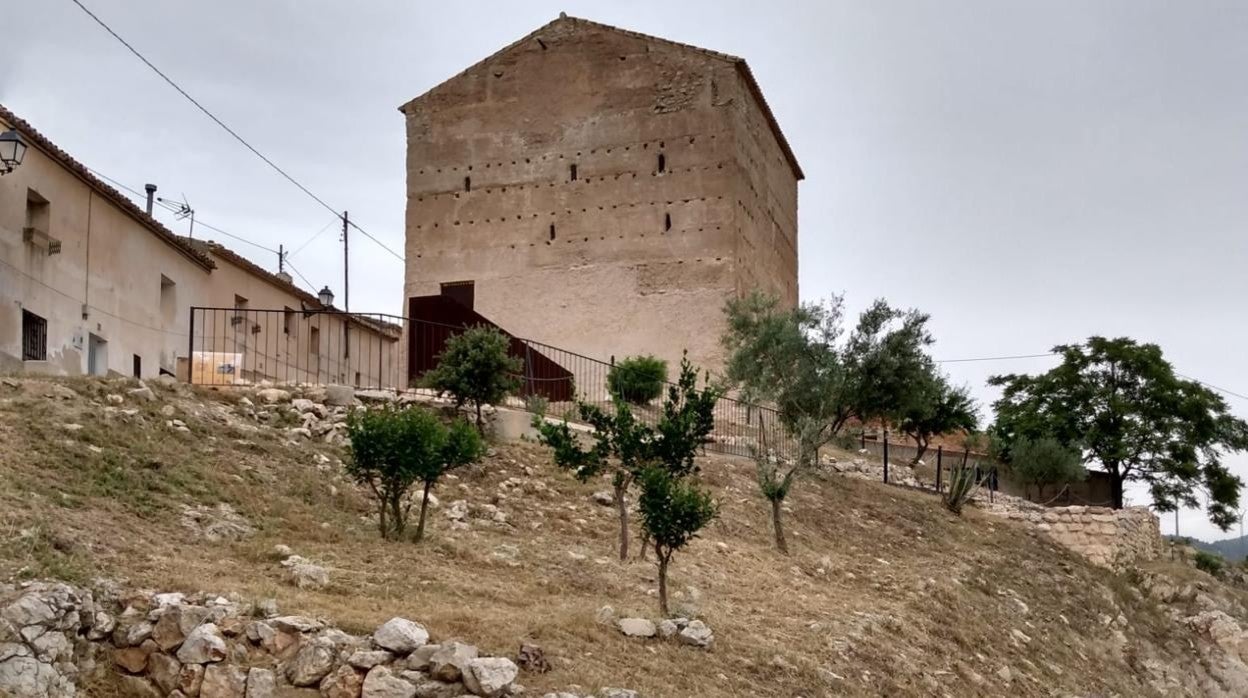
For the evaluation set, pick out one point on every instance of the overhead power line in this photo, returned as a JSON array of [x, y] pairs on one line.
[[175, 209], [223, 125], [996, 358], [379, 242]]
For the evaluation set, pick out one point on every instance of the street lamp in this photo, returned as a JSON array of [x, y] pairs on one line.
[[326, 297], [12, 150]]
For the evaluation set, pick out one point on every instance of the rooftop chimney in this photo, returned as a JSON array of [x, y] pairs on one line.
[[286, 277], [151, 193]]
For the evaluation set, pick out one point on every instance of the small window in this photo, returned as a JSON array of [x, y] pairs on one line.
[[288, 319], [467, 183], [552, 231], [239, 301], [38, 212], [138, 366], [168, 298], [34, 337], [667, 221], [662, 162], [314, 341], [572, 172]]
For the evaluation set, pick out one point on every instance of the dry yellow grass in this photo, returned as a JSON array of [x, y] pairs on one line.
[[884, 594]]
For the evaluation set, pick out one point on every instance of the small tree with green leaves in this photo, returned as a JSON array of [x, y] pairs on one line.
[[638, 380], [624, 446], [937, 408], [394, 448], [476, 368], [673, 509], [1045, 461]]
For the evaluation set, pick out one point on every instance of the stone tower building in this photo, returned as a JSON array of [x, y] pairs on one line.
[[602, 191]]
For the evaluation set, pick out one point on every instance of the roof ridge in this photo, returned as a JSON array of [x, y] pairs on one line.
[[742, 67], [122, 201]]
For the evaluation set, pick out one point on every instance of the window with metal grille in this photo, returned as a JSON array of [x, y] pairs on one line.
[[34, 337]]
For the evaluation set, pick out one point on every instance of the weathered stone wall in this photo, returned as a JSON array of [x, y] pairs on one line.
[[1107, 537], [599, 189]]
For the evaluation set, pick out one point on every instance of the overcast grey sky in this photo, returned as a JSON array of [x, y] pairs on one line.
[[1028, 173]]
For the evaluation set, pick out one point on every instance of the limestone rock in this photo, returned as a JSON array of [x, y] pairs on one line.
[[273, 395], [697, 634], [204, 644], [261, 683], [367, 659], [532, 658], [400, 635], [667, 628], [418, 660], [144, 393], [339, 395], [382, 683], [637, 627], [490, 677], [311, 663], [604, 497], [307, 575], [617, 693], [447, 664], [223, 681], [345, 682], [164, 670], [136, 687], [605, 615], [176, 623]]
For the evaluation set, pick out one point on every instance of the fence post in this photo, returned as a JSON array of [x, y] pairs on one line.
[[940, 453], [862, 440], [190, 351], [885, 455]]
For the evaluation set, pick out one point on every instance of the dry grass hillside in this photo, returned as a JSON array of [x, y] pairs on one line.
[[884, 594]]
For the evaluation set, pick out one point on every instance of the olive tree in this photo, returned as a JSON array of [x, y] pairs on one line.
[[936, 408], [1045, 461], [800, 360], [476, 368], [394, 448]]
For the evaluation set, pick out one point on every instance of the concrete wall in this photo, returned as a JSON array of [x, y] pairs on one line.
[[640, 260], [106, 281]]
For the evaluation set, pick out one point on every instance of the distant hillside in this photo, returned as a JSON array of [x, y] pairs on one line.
[[1232, 549]]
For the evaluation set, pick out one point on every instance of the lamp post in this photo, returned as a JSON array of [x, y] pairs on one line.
[[326, 297], [12, 150]]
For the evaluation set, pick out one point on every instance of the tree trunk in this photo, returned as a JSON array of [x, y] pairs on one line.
[[424, 504], [621, 506], [1115, 484], [480, 426], [397, 522], [776, 524], [381, 519], [920, 447], [658, 553]]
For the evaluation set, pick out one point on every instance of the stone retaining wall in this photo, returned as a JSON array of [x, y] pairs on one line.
[[1106, 537]]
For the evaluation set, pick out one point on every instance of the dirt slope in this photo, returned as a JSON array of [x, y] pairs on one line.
[[884, 594]]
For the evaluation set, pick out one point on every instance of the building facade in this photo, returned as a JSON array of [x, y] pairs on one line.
[[92, 284], [602, 191]]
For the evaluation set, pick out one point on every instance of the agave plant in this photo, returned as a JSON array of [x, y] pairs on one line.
[[962, 486]]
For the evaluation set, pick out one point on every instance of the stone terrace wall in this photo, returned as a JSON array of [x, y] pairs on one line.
[[1106, 537]]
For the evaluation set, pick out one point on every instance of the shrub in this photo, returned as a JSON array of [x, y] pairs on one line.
[[637, 380], [394, 448], [673, 509], [1212, 563], [475, 367], [1045, 461]]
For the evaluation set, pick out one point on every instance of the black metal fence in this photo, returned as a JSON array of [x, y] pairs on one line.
[[246, 346]]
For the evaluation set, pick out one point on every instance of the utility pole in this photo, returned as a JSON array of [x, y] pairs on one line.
[[281, 260], [346, 265], [346, 287]]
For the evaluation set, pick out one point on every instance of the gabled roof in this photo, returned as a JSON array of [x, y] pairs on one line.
[[47, 147], [742, 67]]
